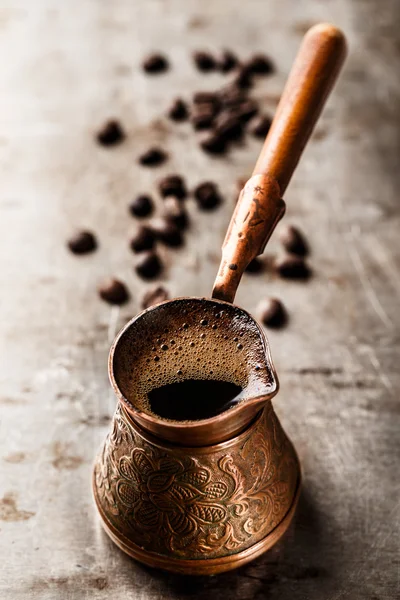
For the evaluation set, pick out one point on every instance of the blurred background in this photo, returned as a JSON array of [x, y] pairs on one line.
[[67, 69]]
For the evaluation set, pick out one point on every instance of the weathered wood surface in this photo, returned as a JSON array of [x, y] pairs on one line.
[[65, 67]]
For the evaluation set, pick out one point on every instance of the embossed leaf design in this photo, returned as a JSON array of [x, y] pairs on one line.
[[159, 481], [126, 468], [147, 515], [127, 494], [141, 462], [183, 493], [170, 465], [209, 513], [114, 431], [216, 490], [198, 477], [180, 523]]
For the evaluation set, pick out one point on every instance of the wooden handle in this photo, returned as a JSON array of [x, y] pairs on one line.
[[313, 74], [260, 205]]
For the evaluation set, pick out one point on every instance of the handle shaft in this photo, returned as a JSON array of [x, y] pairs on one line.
[[260, 205], [311, 79]]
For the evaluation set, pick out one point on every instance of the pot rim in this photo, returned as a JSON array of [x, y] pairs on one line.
[[170, 424]]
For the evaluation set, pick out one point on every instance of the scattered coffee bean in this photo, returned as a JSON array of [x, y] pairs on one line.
[[207, 195], [206, 98], [260, 126], [82, 242], [178, 110], [255, 266], [155, 63], [149, 265], [175, 212], [246, 110], [231, 95], [167, 232], [204, 61], [143, 239], [141, 206], [212, 143], [173, 185], [153, 157], [260, 65], [292, 266], [154, 296], [111, 133], [272, 313], [244, 78], [203, 116], [228, 126], [113, 291], [293, 240], [228, 61]]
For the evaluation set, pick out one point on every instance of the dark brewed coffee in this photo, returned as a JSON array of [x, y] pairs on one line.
[[192, 399]]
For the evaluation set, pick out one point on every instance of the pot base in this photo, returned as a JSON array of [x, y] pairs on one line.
[[198, 566]]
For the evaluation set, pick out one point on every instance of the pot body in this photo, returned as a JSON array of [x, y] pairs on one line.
[[199, 510]]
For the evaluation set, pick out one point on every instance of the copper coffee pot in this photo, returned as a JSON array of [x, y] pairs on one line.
[[208, 495]]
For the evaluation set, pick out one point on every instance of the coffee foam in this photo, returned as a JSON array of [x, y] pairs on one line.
[[190, 339]]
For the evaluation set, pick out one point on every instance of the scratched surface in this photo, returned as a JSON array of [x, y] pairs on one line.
[[66, 66]]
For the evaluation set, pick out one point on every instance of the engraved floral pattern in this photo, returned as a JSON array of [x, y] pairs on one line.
[[168, 496], [202, 505]]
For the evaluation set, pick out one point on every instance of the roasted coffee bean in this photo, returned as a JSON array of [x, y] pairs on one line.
[[82, 242], [292, 266], [292, 240], [113, 291], [228, 61], [173, 185], [228, 126], [153, 157], [255, 266], [202, 121], [207, 195], [246, 110], [175, 212], [167, 232], [244, 78], [272, 313], [206, 98], [212, 143], [149, 265], [203, 114], [154, 296], [144, 239], [111, 133], [206, 106], [155, 63], [231, 95], [178, 110], [260, 64], [204, 61], [141, 206], [260, 126]]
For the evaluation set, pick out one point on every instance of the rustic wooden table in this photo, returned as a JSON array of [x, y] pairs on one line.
[[66, 67]]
